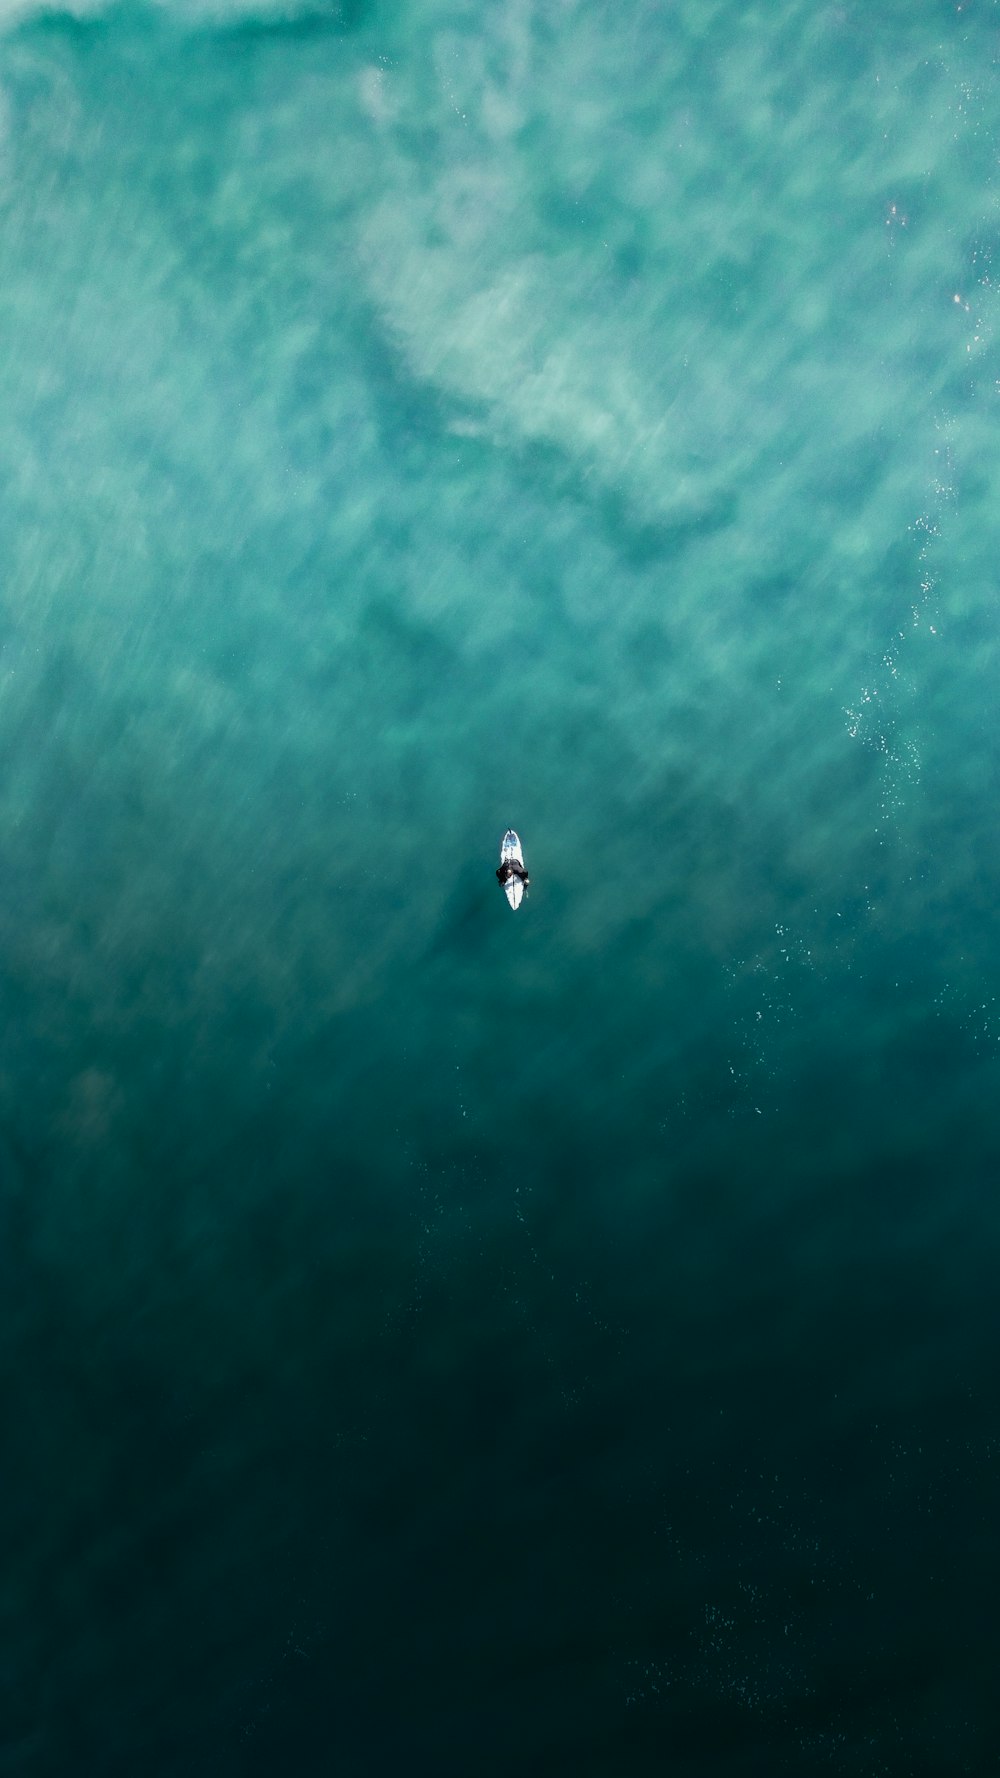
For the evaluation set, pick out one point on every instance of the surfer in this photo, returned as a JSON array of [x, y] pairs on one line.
[[512, 875], [510, 871]]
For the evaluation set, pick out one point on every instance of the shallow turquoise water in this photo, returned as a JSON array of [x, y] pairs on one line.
[[439, 1340]]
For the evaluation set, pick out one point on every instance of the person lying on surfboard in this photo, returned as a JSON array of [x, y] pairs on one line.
[[513, 874], [509, 870]]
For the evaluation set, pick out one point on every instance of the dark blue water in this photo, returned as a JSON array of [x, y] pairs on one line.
[[437, 1340]]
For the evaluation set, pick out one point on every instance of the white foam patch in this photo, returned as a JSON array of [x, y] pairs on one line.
[[500, 261], [187, 12], [15, 12]]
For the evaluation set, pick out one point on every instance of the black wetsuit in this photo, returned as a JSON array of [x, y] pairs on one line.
[[510, 868]]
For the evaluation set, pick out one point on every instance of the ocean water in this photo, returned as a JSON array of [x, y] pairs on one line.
[[435, 1340]]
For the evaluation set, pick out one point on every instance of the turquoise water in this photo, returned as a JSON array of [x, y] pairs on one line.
[[440, 1340]]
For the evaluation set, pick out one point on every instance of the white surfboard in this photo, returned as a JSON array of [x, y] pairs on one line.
[[510, 852]]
